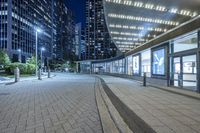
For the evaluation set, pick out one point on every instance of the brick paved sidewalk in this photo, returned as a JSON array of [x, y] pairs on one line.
[[64, 104], [165, 112]]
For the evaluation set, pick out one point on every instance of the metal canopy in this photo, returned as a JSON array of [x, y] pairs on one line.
[[132, 23]]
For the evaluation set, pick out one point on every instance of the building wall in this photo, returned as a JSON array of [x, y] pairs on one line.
[[172, 63]]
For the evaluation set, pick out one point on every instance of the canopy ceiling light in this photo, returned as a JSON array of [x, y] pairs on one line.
[[132, 23]]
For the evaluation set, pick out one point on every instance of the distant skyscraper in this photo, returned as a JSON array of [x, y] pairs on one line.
[[20, 18], [83, 46], [98, 41], [80, 41], [64, 33]]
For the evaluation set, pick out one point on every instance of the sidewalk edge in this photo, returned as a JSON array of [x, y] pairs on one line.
[[135, 123], [108, 126]]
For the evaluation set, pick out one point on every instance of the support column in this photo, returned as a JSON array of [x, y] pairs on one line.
[[198, 64], [171, 71], [198, 71]]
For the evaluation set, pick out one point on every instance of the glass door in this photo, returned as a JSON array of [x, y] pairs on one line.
[[189, 72], [177, 72], [185, 72]]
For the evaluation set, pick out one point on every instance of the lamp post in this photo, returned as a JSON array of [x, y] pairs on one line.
[[42, 49], [36, 48], [20, 55]]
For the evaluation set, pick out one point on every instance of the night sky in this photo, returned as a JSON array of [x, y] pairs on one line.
[[78, 8]]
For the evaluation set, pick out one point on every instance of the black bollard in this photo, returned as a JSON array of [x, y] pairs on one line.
[[39, 74], [49, 73], [144, 79]]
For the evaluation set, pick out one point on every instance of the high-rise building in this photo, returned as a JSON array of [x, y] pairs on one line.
[[98, 41], [64, 35], [80, 41], [19, 20], [83, 46]]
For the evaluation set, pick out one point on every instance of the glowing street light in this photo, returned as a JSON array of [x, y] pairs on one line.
[[20, 55]]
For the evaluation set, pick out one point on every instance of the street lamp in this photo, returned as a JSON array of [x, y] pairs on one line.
[[42, 49], [36, 48], [20, 55]]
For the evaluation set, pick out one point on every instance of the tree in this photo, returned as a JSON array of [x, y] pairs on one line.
[[4, 58]]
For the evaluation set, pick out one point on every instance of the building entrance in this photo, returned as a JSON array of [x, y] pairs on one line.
[[185, 72]]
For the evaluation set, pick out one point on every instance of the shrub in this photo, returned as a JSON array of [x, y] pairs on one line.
[[30, 68], [10, 68], [22, 67]]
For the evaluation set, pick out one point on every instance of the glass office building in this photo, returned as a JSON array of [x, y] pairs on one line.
[[19, 20], [162, 40]]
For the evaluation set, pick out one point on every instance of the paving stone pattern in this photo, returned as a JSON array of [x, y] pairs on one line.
[[64, 104]]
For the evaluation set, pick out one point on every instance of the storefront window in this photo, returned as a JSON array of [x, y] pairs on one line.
[[115, 66], [108, 67], [121, 66], [146, 63], [159, 62], [130, 65], [186, 43], [111, 67], [85, 67], [136, 65]]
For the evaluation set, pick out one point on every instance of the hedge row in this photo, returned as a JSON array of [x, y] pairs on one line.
[[24, 68]]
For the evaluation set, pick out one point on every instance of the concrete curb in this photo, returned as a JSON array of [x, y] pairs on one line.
[[108, 126], [112, 122], [134, 122]]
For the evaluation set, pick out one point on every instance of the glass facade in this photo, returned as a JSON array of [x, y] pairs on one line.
[[136, 65], [164, 63], [185, 66], [86, 67], [121, 66], [108, 67], [186, 43], [115, 66]]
